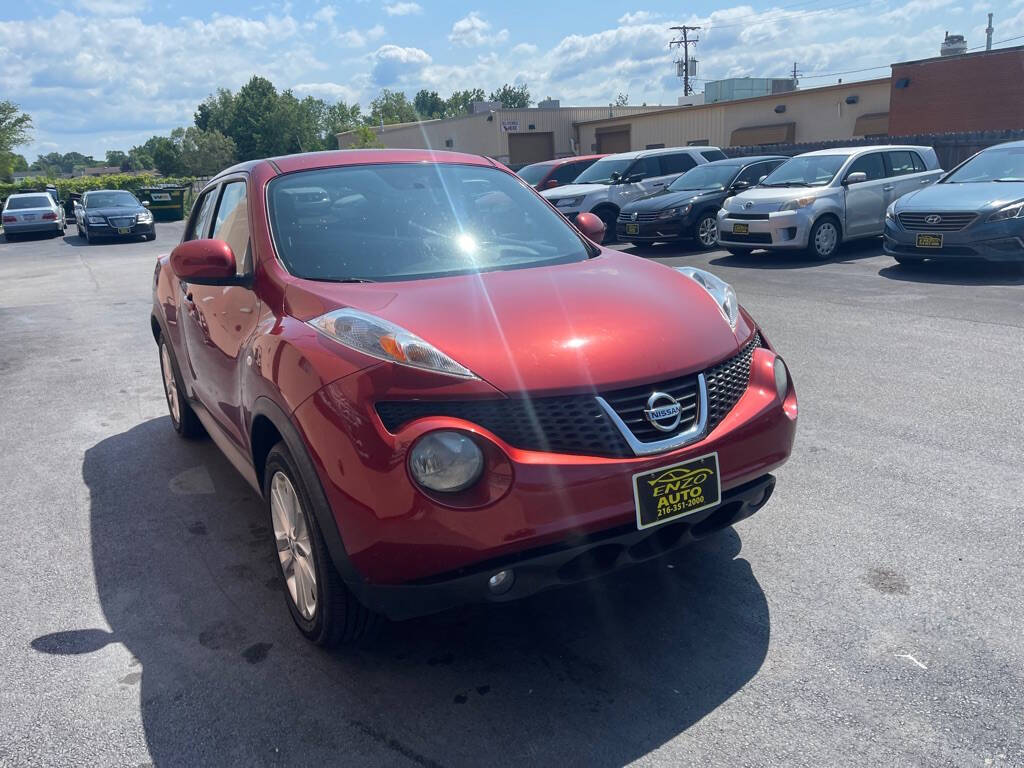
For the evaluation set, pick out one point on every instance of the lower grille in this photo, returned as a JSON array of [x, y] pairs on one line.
[[761, 238], [748, 216], [576, 423], [947, 222]]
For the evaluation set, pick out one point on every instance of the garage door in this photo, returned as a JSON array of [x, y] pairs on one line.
[[610, 142], [530, 147]]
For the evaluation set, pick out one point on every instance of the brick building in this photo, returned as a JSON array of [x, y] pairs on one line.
[[981, 91]]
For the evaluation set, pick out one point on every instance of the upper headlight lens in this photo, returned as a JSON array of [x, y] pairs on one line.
[[795, 205], [145, 217], [1012, 211], [781, 378], [890, 212], [446, 461], [726, 203], [94, 219], [722, 292], [671, 213], [568, 202], [377, 337]]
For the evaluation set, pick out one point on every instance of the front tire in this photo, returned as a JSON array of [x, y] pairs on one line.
[[183, 418], [323, 608], [823, 240], [705, 231]]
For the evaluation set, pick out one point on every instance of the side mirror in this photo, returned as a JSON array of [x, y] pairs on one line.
[[857, 177], [145, 203], [737, 186], [205, 262], [551, 184], [634, 178], [591, 226]]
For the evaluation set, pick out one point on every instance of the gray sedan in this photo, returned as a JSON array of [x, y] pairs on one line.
[[975, 212], [28, 212]]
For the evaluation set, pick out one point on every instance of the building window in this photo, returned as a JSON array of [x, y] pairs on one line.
[[655, 146]]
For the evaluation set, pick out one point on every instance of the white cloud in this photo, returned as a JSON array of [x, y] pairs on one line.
[[473, 30], [525, 49], [111, 7], [392, 64], [375, 32], [403, 9], [638, 17], [328, 91]]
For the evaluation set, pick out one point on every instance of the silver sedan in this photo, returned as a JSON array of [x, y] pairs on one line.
[[27, 212]]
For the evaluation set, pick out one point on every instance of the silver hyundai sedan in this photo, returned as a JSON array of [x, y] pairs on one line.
[[818, 200], [974, 212]]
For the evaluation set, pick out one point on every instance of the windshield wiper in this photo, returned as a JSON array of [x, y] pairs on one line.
[[1009, 181], [354, 280]]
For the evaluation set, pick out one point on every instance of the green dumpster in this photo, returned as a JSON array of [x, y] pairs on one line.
[[166, 203]]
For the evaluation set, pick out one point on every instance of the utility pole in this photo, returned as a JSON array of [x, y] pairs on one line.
[[795, 75], [988, 34], [683, 40]]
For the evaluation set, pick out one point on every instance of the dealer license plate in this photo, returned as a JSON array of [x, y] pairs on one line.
[[123, 230], [675, 491], [29, 217], [632, 229], [929, 241], [741, 229]]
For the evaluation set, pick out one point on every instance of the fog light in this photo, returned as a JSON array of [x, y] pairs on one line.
[[781, 378], [446, 461], [501, 582]]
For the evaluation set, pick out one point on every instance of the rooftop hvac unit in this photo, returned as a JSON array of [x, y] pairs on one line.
[[953, 45]]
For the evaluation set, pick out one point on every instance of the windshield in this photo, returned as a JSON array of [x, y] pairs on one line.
[[806, 171], [110, 199], [601, 171], [30, 201], [413, 220], [532, 174], [991, 165], [705, 177]]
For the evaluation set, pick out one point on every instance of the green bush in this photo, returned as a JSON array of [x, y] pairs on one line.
[[66, 187]]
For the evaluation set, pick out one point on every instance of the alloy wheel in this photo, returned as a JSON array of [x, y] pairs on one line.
[[294, 546], [170, 385], [707, 231]]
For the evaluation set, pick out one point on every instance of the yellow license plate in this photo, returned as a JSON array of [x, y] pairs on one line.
[[741, 229], [929, 241], [677, 490], [632, 229], [123, 230]]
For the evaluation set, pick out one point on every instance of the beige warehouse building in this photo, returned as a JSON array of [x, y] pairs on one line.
[[514, 136], [520, 136]]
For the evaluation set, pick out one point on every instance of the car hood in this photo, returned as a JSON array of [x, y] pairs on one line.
[[668, 199], [973, 196], [608, 322], [115, 210], [762, 195], [572, 190]]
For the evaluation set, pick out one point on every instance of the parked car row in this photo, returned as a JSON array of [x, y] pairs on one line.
[[100, 214], [812, 203]]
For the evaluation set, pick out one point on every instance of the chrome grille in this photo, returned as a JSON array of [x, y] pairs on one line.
[[948, 222], [121, 221], [576, 423], [640, 216]]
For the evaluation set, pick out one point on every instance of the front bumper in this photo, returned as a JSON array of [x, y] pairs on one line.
[[996, 241], [654, 231], [105, 230], [776, 230], [394, 534], [568, 562]]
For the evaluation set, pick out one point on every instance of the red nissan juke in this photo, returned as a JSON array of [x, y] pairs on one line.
[[446, 392]]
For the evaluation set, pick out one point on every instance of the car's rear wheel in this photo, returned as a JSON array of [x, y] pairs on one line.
[[150, 236], [323, 608], [705, 231], [823, 241], [183, 418]]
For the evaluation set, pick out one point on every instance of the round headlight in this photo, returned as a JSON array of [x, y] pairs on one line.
[[781, 378], [446, 461]]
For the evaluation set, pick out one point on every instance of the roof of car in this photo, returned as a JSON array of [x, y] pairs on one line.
[[564, 160], [863, 149], [660, 151], [747, 160], [335, 157], [1007, 145]]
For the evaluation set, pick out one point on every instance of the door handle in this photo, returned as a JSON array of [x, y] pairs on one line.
[[888, 189], [926, 181]]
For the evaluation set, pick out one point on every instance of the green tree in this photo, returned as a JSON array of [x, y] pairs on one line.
[[11, 163], [15, 126], [622, 100], [338, 118], [205, 153], [391, 107], [366, 138], [165, 153], [118, 158], [429, 105], [460, 102], [216, 112], [255, 119], [139, 160], [512, 96]]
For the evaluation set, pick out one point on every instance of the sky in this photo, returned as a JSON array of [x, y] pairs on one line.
[[108, 74]]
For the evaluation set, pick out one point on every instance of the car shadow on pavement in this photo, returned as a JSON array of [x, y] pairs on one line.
[[598, 674], [73, 238], [852, 251], [957, 273]]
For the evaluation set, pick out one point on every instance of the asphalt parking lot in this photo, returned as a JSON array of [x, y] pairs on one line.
[[871, 614]]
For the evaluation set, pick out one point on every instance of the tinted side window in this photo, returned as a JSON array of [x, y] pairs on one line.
[[901, 163], [566, 174], [713, 154], [753, 173], [919, 165], [645, 167], [231, 223], [870, 164], [200, 224], [677, 163]]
